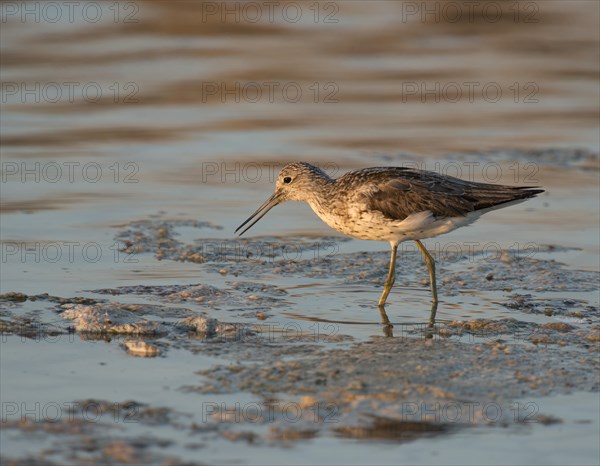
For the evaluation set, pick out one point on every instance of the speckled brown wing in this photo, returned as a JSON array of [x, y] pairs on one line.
[[400, 192]]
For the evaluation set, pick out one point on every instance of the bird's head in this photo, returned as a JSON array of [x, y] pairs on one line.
[[295, 182]]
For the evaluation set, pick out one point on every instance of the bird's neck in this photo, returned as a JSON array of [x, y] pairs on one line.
[[320, 189], [320, 199]]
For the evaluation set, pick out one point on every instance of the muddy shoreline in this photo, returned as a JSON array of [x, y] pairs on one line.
[[411, 382]]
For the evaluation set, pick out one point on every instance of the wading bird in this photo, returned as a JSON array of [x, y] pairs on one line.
[[391, 204]]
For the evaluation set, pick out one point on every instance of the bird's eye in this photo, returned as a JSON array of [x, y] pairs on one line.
[[287, 179]]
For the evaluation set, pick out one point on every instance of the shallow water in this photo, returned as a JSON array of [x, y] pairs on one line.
[[176, 133]]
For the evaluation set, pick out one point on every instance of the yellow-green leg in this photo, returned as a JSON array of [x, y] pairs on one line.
[[391, 278], [431, 267]]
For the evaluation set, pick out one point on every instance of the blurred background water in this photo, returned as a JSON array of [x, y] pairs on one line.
[[115, 111]]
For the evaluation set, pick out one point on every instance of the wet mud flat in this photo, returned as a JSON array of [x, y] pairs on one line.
[[266, 382]]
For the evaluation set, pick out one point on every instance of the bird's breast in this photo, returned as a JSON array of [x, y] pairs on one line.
[[331, 215], [352, 221]]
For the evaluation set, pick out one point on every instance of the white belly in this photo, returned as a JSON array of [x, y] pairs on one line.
[[373, 225]]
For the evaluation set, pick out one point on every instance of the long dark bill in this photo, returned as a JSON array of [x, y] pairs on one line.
[[268, 205]]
